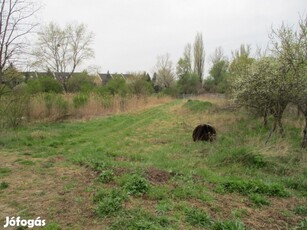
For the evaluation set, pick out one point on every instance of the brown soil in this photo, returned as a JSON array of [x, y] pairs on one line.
[[157, 176]]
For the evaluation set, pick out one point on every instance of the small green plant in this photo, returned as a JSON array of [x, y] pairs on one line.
[[301, 210], [106, 176], [97, 165], [137, 185], [259, 200], [109, 202], [197, 217], [302, 225], [3, 185], [163, 207], [52, 226], [228, 225]]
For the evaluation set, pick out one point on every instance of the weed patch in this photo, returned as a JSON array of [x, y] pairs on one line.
[[197, 106], [136, 185], [140, 219], [228, 225], [106, 176], [3, 185], [259, 200], [109, 202], [254, 187], [197, 217], [301, 210]]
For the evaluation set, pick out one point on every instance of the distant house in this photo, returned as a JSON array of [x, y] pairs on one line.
[[99, 78], [104, 78]]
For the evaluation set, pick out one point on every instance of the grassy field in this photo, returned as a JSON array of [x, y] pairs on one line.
[[141, 170]]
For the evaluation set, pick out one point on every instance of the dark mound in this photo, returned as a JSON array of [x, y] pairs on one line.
[[204, 132]]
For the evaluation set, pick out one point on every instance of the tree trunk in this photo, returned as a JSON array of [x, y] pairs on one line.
[[304, 142], [281, 128], [265, 119], [272, 131]]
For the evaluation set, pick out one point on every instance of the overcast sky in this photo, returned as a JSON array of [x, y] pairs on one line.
[[130, 34]]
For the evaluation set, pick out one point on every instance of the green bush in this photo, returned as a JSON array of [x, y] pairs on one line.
[[80, 100], [104, 96], [80, 82], [61, 106], [117, 86], [44, 85], [188, 84], [13, 107], [56, 102]]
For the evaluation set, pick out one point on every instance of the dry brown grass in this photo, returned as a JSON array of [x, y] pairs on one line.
[[95, 106]]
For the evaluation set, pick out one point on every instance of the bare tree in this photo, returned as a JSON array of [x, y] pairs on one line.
[[199, 56], [165, 73], [15, 24], [62, 50], [217, 56]]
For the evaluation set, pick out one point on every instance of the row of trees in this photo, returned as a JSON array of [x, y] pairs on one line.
[[188, 78], [277, 78], [189, 70], [57, 50]]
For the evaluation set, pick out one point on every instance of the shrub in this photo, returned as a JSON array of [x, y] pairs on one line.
[[61, 106], [56, 102], [44, 85], [80, 82], [80, 100], [13, 107]]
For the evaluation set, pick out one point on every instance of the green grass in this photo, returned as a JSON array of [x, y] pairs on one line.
[[5, 172], [197, 106], [118, 151]]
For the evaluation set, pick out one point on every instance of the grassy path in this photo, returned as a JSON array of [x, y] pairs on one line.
[[143, 171]]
